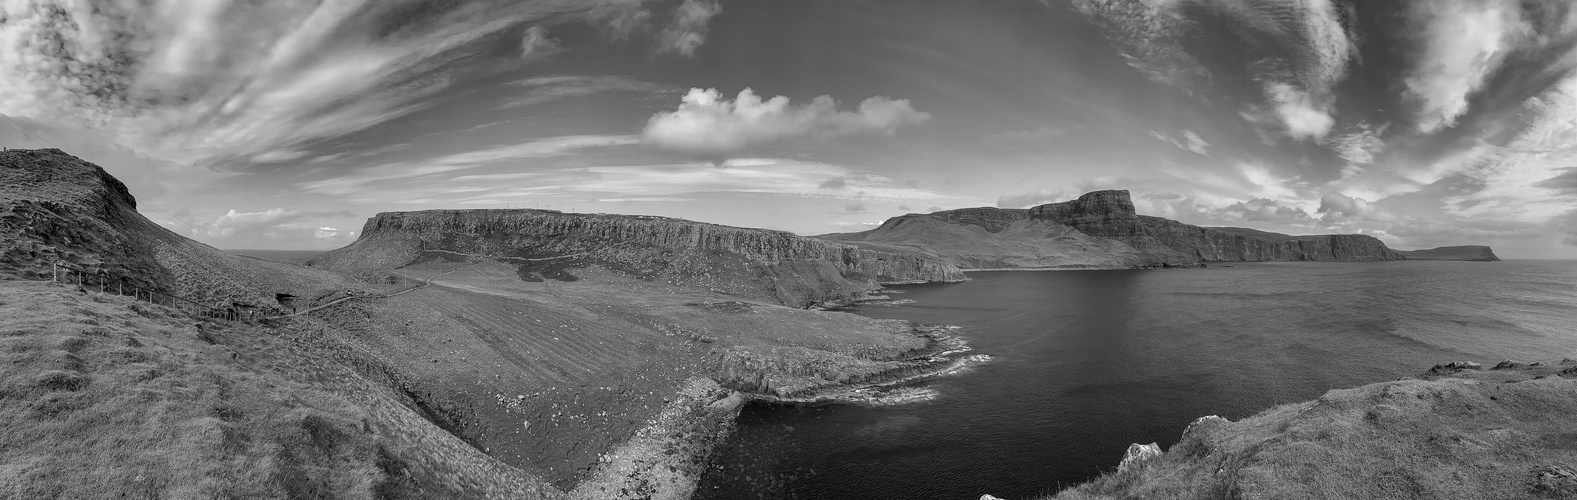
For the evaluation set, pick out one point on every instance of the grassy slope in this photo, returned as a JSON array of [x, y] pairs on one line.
[[552, 376], [1493, 434], [107, 397]]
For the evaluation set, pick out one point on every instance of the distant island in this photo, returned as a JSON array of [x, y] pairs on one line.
[[1464, 252], [1101, 230]]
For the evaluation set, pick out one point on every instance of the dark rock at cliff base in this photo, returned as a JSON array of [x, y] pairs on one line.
[[1099, 230], [1478, 253], [1454, 366], [775, 265]]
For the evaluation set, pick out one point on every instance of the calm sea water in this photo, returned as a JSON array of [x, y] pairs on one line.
[[286, 256], [1086, 362]]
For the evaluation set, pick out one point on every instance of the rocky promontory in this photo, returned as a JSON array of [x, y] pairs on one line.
[[793, 270], [1478, 253], [1100, 229]]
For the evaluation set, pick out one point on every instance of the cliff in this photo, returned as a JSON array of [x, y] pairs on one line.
[[1110, 214], [1466, 252], [1098, 230], [793, 270], [994, 238]]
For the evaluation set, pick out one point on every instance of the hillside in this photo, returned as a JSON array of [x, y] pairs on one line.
[[1100, 230], [591, 357], [1462, 432], [1466, 252]]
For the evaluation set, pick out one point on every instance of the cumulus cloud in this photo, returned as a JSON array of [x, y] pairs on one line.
[[708, 123], [536, 45], [1338, 208], [838, 182], [855, 208], [688, 29], [1037, 197], [1267, 211], [1463, 42]]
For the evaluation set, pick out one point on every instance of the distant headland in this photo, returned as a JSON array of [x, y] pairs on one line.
[[1102, 230]]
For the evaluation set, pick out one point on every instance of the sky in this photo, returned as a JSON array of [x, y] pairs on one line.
[[286, 124]]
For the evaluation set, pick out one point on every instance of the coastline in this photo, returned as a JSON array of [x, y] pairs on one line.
[[665, 460]]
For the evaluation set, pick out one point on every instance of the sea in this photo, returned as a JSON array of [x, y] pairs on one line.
[[286, 256], [1083, 363]]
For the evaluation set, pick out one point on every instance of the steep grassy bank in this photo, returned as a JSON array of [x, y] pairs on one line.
[[106, 397], [1471, 433]]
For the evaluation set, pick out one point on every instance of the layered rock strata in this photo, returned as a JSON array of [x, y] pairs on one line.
[[795, 270]]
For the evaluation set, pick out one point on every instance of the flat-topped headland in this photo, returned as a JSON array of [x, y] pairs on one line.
[[1099, 230], [1477, 253]]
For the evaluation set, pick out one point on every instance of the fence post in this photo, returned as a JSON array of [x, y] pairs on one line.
[[56, 269]]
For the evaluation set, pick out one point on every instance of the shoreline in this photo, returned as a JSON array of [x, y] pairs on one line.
[[667, 458]]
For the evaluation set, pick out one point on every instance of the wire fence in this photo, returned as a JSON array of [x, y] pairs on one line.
[[107, 282]]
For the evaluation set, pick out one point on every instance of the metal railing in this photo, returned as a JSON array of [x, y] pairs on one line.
[[107, 282]]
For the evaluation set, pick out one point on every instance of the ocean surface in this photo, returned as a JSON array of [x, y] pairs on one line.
[[286, 256], [1086, 362]]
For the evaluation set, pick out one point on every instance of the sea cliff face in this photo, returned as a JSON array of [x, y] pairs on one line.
[[1110, 214], [801, 271], [1099, 230], [1478, 253]]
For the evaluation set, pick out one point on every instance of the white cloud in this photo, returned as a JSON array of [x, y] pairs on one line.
[[1305, 115], [351, 183], [1150, 34], [536, 45], [708, 123], [1359, 146], [1037, 197], [1189, 141], [197, 82], [1464, 42], [1037, 135], [1515, 179], [551, 88], [688, 29]]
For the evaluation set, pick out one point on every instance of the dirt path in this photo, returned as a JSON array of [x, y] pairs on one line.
[[425, 283]]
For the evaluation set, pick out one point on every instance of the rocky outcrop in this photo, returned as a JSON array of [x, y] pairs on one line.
[[1100, 230], [1477, 253], [796, 270], [1138, 453]]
